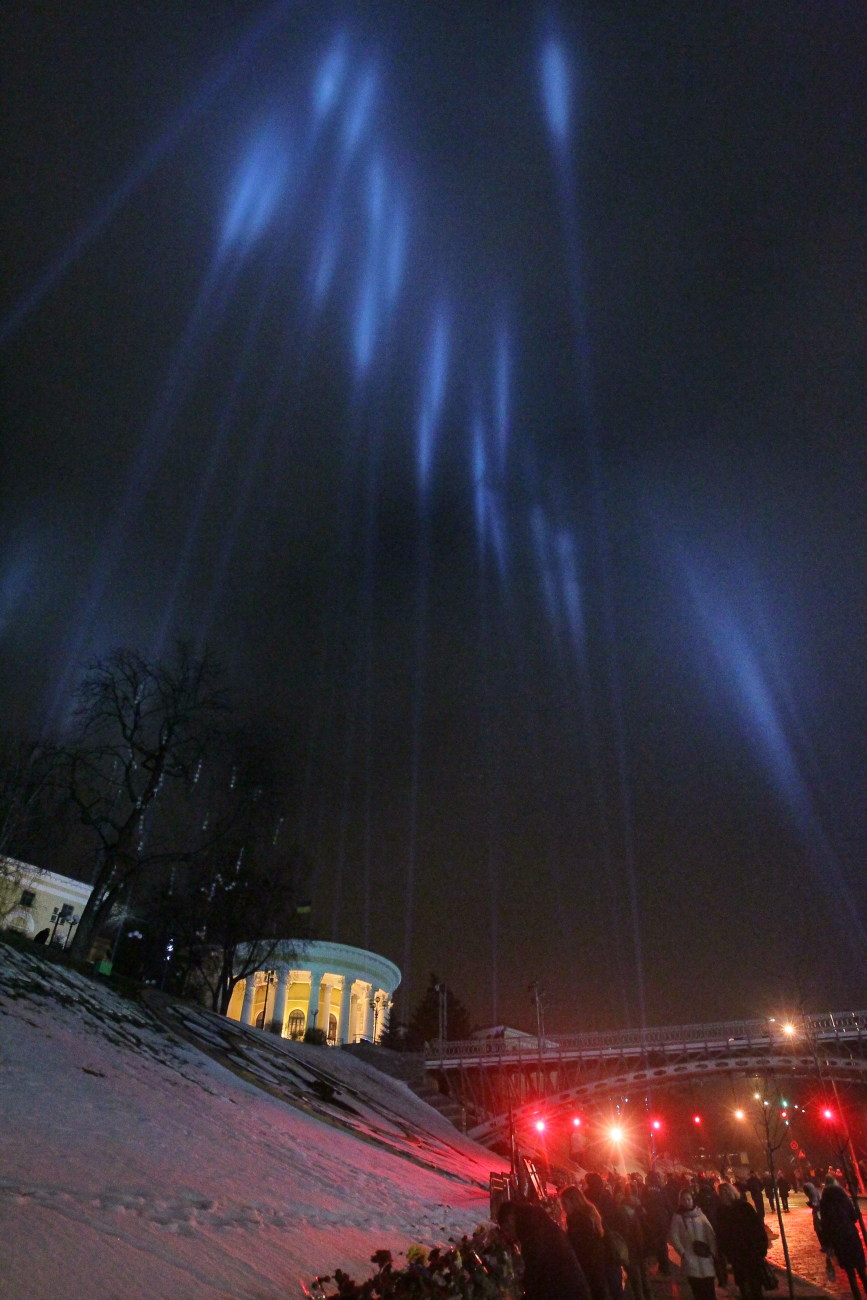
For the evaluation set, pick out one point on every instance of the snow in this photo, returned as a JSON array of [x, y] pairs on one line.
[[134, 1163]]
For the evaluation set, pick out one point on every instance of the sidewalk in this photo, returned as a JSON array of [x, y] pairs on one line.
[[808, 1265], [676, 1287], [808, 1262]]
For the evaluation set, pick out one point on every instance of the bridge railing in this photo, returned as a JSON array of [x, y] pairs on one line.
[[730, 1034]]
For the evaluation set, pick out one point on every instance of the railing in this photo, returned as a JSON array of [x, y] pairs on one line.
[[721, 1035]]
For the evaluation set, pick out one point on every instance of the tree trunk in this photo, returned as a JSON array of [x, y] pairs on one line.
[[95, 912]]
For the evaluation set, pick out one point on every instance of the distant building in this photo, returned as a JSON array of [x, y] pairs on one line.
[[345, 991], [34, 902]]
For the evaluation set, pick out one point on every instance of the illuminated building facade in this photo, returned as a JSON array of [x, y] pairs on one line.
[[37, 902], [344, 991]]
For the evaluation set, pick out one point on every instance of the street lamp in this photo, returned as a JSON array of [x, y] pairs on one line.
[[63, 916]]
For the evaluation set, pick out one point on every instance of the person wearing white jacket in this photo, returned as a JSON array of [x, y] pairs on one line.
[[693, 1238]]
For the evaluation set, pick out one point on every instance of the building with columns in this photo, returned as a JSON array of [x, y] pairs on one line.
[[344, 991]]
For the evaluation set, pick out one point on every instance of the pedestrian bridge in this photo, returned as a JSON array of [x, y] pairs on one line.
[[498, 1076]]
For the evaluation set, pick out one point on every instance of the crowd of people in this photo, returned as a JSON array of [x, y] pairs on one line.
[[598, 1241]]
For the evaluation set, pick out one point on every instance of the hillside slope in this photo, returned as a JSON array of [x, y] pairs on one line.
[[136, 1165]]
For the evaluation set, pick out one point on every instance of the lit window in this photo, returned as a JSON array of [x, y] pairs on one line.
[[296, 1024]]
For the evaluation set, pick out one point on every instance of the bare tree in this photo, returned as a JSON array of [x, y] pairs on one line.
[[226, 909], [142, 732]]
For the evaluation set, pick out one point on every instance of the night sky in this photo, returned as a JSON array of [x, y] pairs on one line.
[[485, 384]]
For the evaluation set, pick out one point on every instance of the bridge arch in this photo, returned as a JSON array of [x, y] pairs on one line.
[[496, 1127], [495, 1077]]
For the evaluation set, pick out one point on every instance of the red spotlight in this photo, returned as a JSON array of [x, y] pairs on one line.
[[540, 1126], [576, 1120], [827, 1113], [696, 1119], [656, 1124]]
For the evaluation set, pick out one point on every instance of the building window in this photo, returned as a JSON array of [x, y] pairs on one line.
[[296, 1024], [28, 898], [332, 1030]]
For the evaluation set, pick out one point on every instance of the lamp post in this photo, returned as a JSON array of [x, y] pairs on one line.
[[62, 916], [442, 1017], [72, 923], [539, 997], [269, 977]]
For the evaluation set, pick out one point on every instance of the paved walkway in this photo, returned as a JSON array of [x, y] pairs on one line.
[[808, 1262], [808, 1265]]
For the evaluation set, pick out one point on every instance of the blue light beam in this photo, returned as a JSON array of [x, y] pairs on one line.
[[257, 188], [556, 83], [433, 393]]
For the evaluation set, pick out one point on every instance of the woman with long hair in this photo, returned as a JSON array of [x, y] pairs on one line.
[[586, 1233]]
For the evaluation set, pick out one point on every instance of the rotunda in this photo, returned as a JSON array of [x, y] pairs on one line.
[[344, 991]]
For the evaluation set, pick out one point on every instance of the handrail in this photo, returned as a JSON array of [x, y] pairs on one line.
[[721, 1034]]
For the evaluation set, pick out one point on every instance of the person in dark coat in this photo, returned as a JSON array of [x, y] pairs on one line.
[[783, 1189], [839, 1218], [707, 1199], [599, 1193], [587, 1237], [629, 1217], [814, 1197], [658, 1218], [742, 1239], [551, 1269], [770, 1185], [755, 1187]]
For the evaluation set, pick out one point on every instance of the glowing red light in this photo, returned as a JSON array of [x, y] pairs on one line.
[[696, 1119], [540, 1125], [829, 1114], [657, 1124], [577, 1121]]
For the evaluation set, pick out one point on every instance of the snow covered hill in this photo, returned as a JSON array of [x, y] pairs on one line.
[[135, 1165]]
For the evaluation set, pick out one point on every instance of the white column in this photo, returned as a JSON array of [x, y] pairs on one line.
[[367, 1031], [279, 1015], [316, 977], [327, 987], [249, 999], [345, 1008]]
